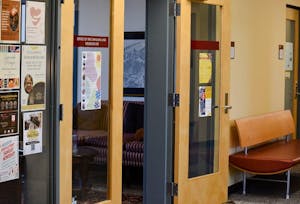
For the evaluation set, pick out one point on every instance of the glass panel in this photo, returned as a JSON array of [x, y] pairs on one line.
[[133, 103], [91, 101], [289, 70], [26, 175], [204, 90]]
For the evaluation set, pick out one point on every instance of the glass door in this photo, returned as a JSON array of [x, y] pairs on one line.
[[91, 168], [291, 63], [202, 127]]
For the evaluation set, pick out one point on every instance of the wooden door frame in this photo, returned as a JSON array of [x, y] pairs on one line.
[[293, 15], [115, 96], [186, 187]]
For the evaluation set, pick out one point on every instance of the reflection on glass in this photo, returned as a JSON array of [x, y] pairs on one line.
[[91, 106], [204, 90]]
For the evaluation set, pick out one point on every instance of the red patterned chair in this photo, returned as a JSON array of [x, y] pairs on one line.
[[91, 128]]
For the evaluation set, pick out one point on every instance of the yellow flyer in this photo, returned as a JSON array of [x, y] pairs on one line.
[[205, 68]]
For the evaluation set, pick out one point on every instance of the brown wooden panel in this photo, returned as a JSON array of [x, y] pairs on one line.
[[261, 128], [66, 99]]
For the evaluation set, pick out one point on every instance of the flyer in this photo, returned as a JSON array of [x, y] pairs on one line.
[[289, 56], [91, 80], [205, 67], [35, 22], [9, 67], [10, 20], [9, 158], [9, 107], [33, 76], [32, 132], [205, 101]]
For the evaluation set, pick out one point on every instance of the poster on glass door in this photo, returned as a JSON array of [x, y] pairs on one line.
[[9, 113], [9, 158], [91, 80], [32, 132], [205, 101], [10, 20], [35, 22], [9, 67], [289, 56], [33, 78], [205, 68]]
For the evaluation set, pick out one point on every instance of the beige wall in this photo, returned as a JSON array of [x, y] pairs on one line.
[[257, 75]]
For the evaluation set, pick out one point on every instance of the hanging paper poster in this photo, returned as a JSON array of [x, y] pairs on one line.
[[35, 22], [205, 67], [9, 66], [32, 132], [10, 20], [289, 56], [9, 107], [9, 158], [205, 100], [91, 80], [33, 75]]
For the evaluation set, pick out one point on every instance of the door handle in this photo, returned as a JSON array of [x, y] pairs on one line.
[[226, 108], [298, 93]]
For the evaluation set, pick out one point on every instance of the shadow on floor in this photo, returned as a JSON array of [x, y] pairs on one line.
[[267, 192]]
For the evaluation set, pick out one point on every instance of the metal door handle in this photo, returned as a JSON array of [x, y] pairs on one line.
[[298, 93], [226, 108]]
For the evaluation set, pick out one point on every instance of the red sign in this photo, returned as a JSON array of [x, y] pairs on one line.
[[204, 45], [90, 41]]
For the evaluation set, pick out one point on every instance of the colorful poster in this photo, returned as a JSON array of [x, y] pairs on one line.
[[9, 67], [91, 80], [9, 158], [32, 132], [10, 20], [205, 101], [33, 75], [205, 67], [35, 22], [9, 111]]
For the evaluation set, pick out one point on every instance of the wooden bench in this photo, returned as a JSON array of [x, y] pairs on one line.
[[268, 147]]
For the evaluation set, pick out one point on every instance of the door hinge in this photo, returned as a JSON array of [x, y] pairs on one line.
[[172, 189], [173, 100], [61, 110], [175, 9]]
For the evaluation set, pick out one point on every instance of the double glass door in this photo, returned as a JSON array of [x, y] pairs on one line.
[[201, 120]]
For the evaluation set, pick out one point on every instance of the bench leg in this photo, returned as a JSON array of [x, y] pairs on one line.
[[244, 183], [288, 180]]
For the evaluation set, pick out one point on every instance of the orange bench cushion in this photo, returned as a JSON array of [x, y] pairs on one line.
[[269, 158]]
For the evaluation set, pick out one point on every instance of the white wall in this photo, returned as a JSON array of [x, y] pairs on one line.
[[93, 20], [135, 15]]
